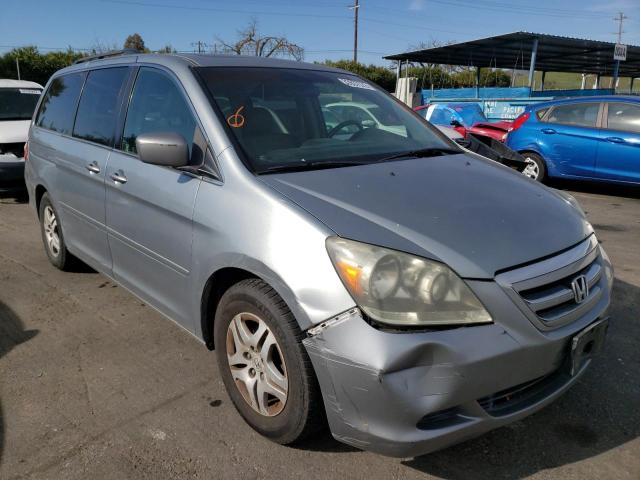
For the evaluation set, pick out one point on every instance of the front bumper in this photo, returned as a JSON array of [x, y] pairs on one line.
[[407, 394], [11, 175]]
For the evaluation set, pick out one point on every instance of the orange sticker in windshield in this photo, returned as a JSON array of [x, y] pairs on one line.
[[236, 120]]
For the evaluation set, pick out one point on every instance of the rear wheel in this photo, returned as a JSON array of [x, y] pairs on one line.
[[536, 168], [264, 365], [52, 237]]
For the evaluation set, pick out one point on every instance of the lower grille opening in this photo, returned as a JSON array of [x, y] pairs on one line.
[[441, 419], [521, 396]]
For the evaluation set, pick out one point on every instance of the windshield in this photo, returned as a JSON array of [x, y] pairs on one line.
[[470, 114], [312, 119], [18, 103]]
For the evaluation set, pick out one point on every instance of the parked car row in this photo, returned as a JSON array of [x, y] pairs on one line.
[[351, 265], [589, 138]]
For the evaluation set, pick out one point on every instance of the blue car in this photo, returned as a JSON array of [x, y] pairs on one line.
[[588, 138]]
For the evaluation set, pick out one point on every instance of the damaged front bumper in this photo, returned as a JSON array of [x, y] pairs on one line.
[[407, 394]]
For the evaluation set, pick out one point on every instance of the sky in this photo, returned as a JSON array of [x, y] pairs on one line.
[[324, 28]]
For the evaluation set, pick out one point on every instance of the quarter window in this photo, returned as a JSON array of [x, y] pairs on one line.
[[157, 105], [59, 103], [624, 117], [540, 113], [578, 114], [98, 108]]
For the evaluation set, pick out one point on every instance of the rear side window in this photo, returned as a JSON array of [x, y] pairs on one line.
[[157, 105], [59, 103], [540, 113], [578, 114], [624, 117], [98, 108]]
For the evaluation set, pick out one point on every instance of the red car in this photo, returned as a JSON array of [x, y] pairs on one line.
[[464, 118]]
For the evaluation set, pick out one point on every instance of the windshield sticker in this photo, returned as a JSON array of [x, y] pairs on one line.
[[356, 83], [236, 120], [30, 92]]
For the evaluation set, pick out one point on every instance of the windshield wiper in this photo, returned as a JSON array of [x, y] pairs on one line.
[[423, 153], [297, 167]]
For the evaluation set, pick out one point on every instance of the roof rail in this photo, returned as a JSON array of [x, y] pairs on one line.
[[112, 53]]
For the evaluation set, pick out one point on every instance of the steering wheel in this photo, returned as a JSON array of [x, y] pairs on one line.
[[341, 125]]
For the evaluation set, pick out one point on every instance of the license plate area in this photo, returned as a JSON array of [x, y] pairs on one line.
[[587, 343]]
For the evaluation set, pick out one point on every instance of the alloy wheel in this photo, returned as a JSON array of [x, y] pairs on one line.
[[532, 170], [257, 364], [50, 223]]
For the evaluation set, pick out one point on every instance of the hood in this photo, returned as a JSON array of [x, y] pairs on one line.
[[14, 131], [470, 213]]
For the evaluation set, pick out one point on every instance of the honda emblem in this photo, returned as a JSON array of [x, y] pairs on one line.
[[580, 288]]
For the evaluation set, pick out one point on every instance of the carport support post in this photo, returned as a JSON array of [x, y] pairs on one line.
[[544, 74], [596, 85], [532, 64], [616, 69], [631, 85], [477, 82]]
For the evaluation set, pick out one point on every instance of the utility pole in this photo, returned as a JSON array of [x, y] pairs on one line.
[[18, 67], [620, 18], [355, 7]]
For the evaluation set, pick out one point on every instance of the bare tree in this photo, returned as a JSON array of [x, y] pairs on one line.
[[251, 42], [100, 47]]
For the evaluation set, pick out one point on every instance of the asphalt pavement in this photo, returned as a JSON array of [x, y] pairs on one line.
[[94, 384]]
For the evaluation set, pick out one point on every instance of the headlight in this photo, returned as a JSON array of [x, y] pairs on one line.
[[400, 289]]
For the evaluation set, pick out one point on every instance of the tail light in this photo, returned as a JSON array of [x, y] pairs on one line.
[[26, 151], [518, 122]]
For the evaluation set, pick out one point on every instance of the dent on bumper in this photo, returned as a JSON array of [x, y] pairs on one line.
[[377, 386]]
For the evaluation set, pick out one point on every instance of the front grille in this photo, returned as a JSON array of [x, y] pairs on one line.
[[555, 301], [16, 148], [544, 290]]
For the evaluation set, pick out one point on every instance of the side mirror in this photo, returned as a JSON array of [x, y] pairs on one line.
[[455, 122], [163, 148], [368, 123]]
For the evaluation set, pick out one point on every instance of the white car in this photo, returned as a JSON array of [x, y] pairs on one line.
[[18, 99]]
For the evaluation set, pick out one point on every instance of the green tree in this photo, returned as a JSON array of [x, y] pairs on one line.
[[35, 66], [135, 42]]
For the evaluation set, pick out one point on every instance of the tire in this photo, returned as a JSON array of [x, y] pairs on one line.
[[245, 305], [52, 238], [536, 168]]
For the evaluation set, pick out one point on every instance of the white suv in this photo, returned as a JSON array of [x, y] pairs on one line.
[[18, 99]]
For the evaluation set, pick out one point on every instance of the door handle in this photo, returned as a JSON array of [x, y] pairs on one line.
[[119, 177], [548, 131], [92, 167], [615, 140]]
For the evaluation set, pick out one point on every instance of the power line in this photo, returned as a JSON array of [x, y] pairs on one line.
[[224, 10]]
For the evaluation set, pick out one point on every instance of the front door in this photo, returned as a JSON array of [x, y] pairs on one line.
[[149, 208], [569, 138], [619, 150]]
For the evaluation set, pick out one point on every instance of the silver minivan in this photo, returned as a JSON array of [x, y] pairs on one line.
[[379, 280]]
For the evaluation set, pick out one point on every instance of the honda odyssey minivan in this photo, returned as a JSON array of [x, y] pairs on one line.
[[387, 284]]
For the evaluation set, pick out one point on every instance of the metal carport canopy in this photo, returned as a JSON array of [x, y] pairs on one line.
[[513, 50]]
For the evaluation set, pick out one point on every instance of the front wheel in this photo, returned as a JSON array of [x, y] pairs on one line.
[[536, 168], [264, 365]]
